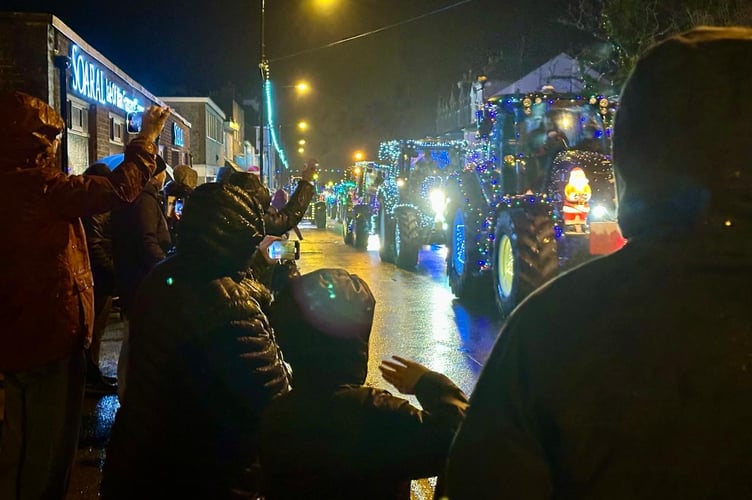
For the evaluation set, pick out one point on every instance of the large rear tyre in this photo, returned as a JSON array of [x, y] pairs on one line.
[[386, 236], [361, 227], [525, 255], [319, 214], [347, 230], [462, 258], [407, 241]]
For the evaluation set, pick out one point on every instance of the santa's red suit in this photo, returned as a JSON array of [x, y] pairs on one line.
[[577, 195]]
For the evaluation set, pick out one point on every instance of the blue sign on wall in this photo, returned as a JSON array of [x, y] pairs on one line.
[[89, 81], [177, 135]]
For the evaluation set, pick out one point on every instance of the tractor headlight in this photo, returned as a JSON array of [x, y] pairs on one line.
[[438, 202], [599, 213]]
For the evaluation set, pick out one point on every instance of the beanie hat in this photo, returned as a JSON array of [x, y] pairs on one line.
[[185, 175], [323, 323], [682, 133], [221, 225]]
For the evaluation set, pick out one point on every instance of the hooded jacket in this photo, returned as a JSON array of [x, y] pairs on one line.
[[203, 360], [332, 437], [140, 239], [46, 298], [642, 392]]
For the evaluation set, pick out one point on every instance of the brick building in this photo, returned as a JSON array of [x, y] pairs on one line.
[[43, 57]]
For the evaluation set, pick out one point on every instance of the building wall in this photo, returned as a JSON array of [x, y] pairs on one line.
[[28, 45], [24, 63]]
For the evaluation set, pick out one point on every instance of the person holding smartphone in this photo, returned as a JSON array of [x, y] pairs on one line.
[[203, 359], [47, 306]]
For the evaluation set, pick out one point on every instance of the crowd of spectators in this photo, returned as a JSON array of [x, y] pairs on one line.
[[247, 382]]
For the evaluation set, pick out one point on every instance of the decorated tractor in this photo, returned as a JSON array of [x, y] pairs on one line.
[[361, 204], [536, 197], [413, 198]]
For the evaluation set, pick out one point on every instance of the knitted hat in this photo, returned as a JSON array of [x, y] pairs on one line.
[[185, 175]]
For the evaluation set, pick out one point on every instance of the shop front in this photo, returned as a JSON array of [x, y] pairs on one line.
[[45, 58]]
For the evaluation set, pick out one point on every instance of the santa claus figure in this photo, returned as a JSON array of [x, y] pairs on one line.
[[577, 195]]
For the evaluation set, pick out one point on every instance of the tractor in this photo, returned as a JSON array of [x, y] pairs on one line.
[[361, 205], [412, 198], [536, 197]]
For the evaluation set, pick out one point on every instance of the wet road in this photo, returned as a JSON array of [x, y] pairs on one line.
[[416, 317]]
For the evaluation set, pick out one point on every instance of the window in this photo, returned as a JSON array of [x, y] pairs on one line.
[[214, 128], [117, 127], [78, 117]]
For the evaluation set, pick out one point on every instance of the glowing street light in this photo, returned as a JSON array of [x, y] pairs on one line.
[[358, 155], [301, 150], [302, 87], [301, 142], [303, 125]]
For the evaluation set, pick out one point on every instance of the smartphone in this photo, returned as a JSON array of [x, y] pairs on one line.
[[134, 121], [284, 250]]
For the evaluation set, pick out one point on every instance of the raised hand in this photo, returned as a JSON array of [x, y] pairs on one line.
[[309, 169], [153, 122], [403, 374]]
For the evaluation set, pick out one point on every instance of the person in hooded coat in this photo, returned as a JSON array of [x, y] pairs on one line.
[[332, 437], [46, 288], [647, 394], [203, 363], [98, 232]]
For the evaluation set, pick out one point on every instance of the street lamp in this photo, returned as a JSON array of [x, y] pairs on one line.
[[358, 155], [303, 125], [264, 67]]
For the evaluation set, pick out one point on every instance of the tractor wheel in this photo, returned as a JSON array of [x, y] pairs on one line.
[[347, 233], [407, 241], [462, 258], [361, 227], [386, 236], [525, 256], [319, 214]]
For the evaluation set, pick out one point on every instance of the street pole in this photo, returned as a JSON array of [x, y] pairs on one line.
[[62, 63], [263, 65]]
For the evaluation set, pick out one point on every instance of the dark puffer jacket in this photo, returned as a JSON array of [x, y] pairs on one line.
[[630, 377], [331, 437], [203, 361]]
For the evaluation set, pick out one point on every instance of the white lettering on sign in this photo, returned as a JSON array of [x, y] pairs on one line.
[[89, 81], [177, 135]]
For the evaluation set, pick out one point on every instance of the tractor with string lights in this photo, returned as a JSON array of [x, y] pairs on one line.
[[360, 203], [536, 196], [413, 196]]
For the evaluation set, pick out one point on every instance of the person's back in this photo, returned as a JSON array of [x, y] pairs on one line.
[[647, 394], [141, 237], [332, 437], [46, 306], [203, 362]]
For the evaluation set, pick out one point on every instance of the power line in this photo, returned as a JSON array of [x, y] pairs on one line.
[[368, 33]]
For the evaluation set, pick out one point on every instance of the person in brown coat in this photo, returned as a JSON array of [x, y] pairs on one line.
[[46, 296]]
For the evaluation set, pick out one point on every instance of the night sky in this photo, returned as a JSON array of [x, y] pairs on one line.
[[375, 88]]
